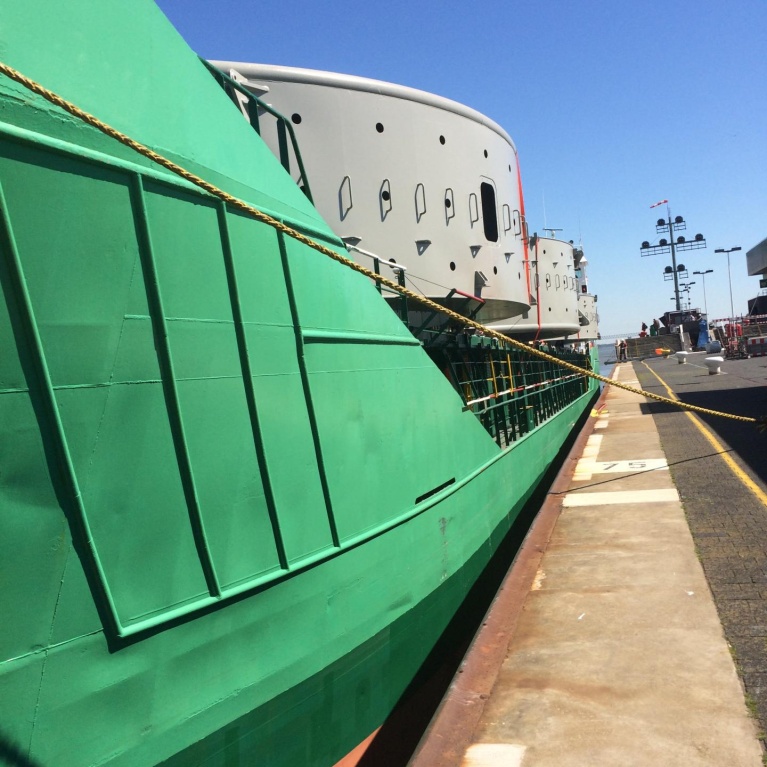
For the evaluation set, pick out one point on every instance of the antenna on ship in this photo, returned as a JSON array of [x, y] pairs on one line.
[[547, 228]]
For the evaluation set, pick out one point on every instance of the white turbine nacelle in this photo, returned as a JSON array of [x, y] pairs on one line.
[[589, 318], [411, 177], [429, 184], [554, 310]]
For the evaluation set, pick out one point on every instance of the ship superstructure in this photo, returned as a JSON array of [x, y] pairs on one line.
[[588, 316], [422, 181], [410, 176], [553, 312]]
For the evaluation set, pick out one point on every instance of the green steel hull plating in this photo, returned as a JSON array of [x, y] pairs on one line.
[[220, 452], [353, 696]]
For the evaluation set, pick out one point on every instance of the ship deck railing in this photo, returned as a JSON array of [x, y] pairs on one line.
[[250, 109], [511, 392]]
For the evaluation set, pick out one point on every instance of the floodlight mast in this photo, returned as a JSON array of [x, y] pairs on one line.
[[673, 258], [681, 244]]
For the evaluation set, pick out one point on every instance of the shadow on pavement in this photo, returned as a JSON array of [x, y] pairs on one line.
[[744, 438]]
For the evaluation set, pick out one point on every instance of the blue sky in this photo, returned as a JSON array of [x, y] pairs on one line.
[[612, 106]]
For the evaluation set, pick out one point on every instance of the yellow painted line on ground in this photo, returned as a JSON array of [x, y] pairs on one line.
[[602, 415], [717, 445]]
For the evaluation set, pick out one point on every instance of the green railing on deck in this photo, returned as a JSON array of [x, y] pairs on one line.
[[284, 126], [509, 391]]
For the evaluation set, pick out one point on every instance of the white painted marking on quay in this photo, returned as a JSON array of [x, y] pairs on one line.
[[493, 755], [593, 443], [584, 469], [625, 467], [588, 466], [621, 497]]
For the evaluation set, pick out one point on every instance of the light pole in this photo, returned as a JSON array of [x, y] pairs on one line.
[[665, 245], [729, 278], [685, 288], [703, 275]]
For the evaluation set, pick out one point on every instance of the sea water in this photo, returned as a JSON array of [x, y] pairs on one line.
[[607, 359]]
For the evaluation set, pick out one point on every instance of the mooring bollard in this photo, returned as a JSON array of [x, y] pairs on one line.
[[714, 365], [681, 357]]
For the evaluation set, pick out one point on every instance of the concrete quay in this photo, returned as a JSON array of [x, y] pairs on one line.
[[604, 646]]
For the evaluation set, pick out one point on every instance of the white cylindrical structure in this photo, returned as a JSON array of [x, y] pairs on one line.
[[554, 309], [411, 177], [714, 365]]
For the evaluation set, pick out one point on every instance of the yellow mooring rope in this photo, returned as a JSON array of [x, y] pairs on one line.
[[240, 205]]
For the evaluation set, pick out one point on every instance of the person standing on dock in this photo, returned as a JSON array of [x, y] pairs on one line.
[[623, 357]]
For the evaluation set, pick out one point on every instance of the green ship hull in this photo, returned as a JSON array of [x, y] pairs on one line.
[[239, 501]]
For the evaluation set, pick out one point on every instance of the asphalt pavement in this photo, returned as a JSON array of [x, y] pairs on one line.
[[728, 521]]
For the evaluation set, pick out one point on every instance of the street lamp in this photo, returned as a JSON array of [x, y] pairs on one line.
[[703, 275], [729, 278]]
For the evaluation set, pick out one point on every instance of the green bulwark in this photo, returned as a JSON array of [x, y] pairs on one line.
[[213, 440]]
